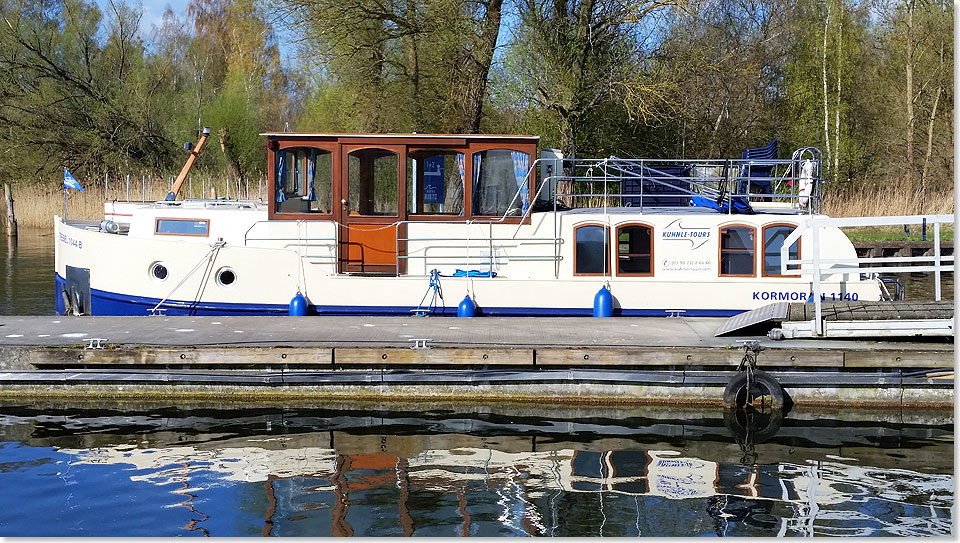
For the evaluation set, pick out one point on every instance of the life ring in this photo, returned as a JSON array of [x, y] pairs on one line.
[[764, 389]]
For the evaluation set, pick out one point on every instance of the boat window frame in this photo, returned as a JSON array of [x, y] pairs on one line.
[[401, 153], [467, 174], [720, 250], [275, 146], [502, 145], [763, 246], [157, 232], [650, 256], [606, 237]]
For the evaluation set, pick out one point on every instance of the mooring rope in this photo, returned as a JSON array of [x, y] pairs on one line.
[[210, 257]]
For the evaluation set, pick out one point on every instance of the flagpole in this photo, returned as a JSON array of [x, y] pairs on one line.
[[64, 203]]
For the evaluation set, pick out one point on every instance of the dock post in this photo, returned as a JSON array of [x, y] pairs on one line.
[[818, 313], [936, 260], [11, 217]]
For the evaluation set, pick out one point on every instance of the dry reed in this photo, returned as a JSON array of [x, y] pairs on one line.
[[36, 203], [877, 202]]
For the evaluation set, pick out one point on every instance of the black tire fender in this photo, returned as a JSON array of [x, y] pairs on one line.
[[757, 427], [735, 395]]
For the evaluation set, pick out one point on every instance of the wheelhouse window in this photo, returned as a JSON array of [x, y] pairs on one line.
[[773, 237], [738, 245], [591, 251], [182, 227], [435, 181], [372, 182], [634, 250], [500, 183], [304, 181]]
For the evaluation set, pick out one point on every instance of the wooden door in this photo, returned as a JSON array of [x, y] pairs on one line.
[[372, 202]]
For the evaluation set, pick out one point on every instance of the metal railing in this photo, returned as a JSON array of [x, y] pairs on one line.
[[492, 259], [818, 267], [305, 242], [796, 182]]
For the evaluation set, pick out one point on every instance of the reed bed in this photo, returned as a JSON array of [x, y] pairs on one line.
[[875, 201], [37, 202]]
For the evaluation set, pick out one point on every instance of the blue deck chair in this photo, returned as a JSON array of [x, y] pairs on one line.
[[769, 151]]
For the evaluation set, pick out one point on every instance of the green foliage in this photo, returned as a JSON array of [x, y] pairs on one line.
[[86, 89]]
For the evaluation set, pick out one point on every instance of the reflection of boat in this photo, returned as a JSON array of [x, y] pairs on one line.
[[323, 471], [365, 224], [525, 483]]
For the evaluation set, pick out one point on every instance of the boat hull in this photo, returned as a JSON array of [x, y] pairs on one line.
[[116, 278], [114, 303]]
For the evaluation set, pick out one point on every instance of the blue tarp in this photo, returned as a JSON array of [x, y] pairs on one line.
[[473, 273]]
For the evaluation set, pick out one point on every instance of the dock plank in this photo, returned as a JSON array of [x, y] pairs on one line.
[[897, 359], [432, 356], [169, 357]]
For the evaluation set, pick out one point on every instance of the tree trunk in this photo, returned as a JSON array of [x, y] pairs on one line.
[[911, 120], [836, 131], [826, 110], [11, 217], [475, 74], [933, 117]]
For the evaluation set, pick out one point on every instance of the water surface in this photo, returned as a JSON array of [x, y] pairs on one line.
[[448, 471]]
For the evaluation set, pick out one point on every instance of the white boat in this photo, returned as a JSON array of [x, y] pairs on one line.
[[428, 224]]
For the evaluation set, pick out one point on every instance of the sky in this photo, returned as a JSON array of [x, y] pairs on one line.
[[153, 16], [152, 11]]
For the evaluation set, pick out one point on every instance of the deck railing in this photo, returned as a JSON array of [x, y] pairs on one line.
[[473, 248], [794, 183], [299, 243], [817, 267]]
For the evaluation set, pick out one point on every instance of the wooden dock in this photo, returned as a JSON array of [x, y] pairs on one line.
[[609, 361], [873, 249]]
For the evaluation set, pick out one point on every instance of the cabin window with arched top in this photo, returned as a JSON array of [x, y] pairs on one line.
[[635, 250], [773, 238], [591, 250], [738, 246]]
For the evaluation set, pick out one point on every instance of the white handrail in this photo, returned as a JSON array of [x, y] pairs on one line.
[[815, 267]]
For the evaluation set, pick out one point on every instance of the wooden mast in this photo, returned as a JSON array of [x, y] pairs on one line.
[[194, 153]]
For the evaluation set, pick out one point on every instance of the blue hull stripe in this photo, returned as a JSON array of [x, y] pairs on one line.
[[111, 303]]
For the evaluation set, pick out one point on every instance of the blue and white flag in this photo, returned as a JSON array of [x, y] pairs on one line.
[[69, 182]]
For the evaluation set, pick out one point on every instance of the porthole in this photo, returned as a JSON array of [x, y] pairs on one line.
[[226, 277], [159, 271]]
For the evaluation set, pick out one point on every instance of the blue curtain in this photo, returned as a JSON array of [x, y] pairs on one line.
[[521, 165], [281, 175], [311, 173], [476, 176]]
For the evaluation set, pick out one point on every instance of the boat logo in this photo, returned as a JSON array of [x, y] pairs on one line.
[[677, 232]]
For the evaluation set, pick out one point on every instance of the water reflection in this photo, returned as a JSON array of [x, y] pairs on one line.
[[452, 471], [26, 282]]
